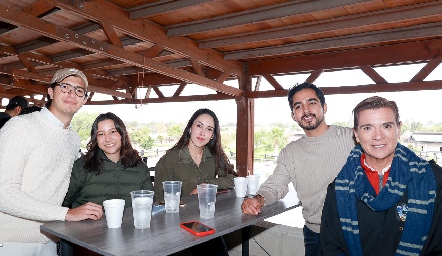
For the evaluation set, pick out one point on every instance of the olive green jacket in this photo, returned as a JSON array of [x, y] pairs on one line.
[[178, 165], [114, 182]]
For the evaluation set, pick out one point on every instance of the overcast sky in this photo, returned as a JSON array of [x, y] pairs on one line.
[[422, 106]]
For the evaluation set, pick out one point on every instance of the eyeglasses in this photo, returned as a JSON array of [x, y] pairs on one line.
[[67, 88]]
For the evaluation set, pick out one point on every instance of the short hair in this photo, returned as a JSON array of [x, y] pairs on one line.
[[299, 87], [374, 102]]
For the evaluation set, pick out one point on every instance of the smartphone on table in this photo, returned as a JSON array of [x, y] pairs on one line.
[[197, 228]]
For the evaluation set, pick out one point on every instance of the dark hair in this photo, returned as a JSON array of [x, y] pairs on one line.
[[374, 102], [129, 156], [214, 145], [298, 87], [30, 109], [49, 100]]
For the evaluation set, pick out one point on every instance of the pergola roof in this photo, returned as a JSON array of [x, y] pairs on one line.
[[122, 45]]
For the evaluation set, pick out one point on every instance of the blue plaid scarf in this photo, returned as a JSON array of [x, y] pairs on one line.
[[408, 172]]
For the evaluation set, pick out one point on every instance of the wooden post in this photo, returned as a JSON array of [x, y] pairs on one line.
[[245, 129]]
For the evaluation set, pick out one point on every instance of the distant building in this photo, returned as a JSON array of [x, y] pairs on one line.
[[427, 141]]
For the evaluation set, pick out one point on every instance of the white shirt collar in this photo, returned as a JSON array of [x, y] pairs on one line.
[[48, 114], [374, 170]]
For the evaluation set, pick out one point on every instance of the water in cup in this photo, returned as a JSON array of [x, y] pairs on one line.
[[172, 202], [207, 211], [207, 200], [142, 208], [172, 193]]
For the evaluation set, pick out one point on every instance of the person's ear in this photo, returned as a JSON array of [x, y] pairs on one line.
[[356, 136], [51, 93], [325, 108], [293, 116]]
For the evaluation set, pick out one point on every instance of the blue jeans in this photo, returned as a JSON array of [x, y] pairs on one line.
[[311, 242]]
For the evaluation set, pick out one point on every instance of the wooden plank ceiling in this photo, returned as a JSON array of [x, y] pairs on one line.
[[123, 45]]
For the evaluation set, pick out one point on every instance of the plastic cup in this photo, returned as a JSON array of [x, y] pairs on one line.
[[142, 208], [207, 200], [252, 184], [240, 186], [113, 210], [172, 194]]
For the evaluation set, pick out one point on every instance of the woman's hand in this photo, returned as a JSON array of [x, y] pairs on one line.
[[195, 190]]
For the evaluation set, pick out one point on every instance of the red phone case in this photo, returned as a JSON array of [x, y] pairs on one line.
[[196, 224]]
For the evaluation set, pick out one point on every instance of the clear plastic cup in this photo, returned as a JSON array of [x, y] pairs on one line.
[[172, 195], [207, 200], [142, 208]]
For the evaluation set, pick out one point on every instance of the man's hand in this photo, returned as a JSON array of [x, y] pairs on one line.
[[253, 205], [86, 211]]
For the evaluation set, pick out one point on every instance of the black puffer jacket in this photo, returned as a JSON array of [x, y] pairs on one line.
[[115, 181]]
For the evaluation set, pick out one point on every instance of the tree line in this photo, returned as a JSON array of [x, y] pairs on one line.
[[269, 139]]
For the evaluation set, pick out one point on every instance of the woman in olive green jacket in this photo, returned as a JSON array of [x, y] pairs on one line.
[[110, 169], [196, 158]]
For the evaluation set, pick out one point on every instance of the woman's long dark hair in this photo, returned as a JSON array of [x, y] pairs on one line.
[[129, 156], [214, 145]]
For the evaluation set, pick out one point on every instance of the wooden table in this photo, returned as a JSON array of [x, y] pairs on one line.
[[164, 236]]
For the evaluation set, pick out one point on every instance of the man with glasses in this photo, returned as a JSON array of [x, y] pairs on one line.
[[37, 152], [310, 163]]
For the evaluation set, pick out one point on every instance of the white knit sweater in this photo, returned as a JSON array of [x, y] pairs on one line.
[[311, 163], [36, 159]]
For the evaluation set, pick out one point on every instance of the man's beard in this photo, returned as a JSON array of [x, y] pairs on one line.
[[312, 124]]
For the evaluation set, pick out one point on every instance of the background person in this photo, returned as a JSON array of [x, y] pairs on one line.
[[24, 111], [310, 163], [37, 152], [386, 200], [110, 169], [196, 158], [15, 106]]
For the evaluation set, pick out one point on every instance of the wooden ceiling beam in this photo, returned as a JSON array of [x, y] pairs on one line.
[[313, 76], [266, 13], [179, 90], [370, 72], [372, 88], [87, 43], [163, 6], [26, 85], [417, 32], [273, 82], [47, 79], [210, 97], [337, 25], [101, 10], [111, 34], [379, 55], [426, 70]]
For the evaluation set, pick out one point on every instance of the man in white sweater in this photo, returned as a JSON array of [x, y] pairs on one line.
[[310, 163], [37, 152]]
